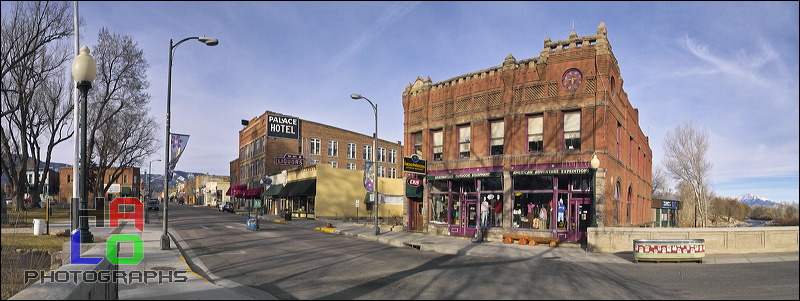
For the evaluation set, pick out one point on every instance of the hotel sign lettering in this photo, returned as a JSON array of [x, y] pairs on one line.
[[283, 127]]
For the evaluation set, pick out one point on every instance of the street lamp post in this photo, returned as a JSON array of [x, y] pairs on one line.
[[210, 42], [150, 174], [593, 165], [84, 69], [374, 159]]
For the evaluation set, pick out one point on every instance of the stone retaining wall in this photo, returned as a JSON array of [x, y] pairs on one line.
[[717, 240]]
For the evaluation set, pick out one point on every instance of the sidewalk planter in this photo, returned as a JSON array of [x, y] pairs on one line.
[[669, 250]]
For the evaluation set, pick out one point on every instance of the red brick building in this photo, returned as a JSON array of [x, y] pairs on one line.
[[127, 184], [520, 136], [297, 143]]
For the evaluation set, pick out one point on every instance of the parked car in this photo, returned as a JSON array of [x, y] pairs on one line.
[[226, 206], [152, 205]]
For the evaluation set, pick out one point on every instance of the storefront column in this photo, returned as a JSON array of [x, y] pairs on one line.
[[508, 199]]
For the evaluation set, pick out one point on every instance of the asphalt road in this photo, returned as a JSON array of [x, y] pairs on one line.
[[298, 263]]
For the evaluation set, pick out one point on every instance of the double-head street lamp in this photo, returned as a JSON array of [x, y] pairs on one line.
[[374, 159], [210, 42], [84, 69]]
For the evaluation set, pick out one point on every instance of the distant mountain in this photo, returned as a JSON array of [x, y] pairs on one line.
[[754, 200], [157, 180]]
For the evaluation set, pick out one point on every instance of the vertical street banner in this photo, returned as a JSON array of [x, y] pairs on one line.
[[369, 176], [176, 146]]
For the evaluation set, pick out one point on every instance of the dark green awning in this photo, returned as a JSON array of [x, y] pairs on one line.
[[273, 190], [304, 187]]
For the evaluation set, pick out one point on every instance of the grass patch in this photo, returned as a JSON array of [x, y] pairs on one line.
[[28, 241]]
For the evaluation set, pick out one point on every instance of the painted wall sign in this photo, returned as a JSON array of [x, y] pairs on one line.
[[283, 127]]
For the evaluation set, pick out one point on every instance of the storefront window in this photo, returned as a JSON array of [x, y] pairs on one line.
[[439, 208], [532, 210], [438, 186]]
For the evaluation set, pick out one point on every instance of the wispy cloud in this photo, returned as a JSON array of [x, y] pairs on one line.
[[744, 67], [389, 17]]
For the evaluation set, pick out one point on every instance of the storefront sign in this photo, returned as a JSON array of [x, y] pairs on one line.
[[669, 204], [289, 159], [414, 182], [414, 164], [466, 175], [556, 171], [283, 127]]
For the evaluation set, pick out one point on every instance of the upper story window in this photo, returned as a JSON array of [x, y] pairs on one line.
[[368, 152], [463, 141], [437, 145], [497, 137], [392, 156], [334, 164], [351, 166], [417, 138], [535, 133], [392, 172], [333, 148], [351, 151], [314, 146], [382, 171], [572, 130], [381, 154]]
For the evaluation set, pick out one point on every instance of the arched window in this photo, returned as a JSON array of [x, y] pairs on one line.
[[616, 204]]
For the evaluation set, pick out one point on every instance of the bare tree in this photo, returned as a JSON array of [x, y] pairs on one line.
[[121, 131], [685, 151], [660, 184], [26, 30], [35, 110]]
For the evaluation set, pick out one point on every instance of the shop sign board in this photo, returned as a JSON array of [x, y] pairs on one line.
[[415, 164], [290, 159]]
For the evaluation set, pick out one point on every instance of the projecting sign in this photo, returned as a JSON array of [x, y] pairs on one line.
[[414, 164], [283, 127], [289, 159]]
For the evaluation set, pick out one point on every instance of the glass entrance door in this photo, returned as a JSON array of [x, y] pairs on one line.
[[577, 219]]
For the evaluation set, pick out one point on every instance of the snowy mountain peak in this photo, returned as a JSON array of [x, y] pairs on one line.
[[754, 200]]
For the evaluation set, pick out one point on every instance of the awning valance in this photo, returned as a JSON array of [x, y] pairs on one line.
[[304, 187], [273, 190]]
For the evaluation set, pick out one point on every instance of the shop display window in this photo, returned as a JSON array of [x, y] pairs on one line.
[[532, 211]]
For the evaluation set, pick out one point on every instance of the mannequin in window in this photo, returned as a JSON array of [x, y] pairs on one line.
[[561, 210], [517, 212], [531, 211], [484, 212]]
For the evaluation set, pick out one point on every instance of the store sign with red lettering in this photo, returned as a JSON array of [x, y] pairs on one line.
[[414, 182]]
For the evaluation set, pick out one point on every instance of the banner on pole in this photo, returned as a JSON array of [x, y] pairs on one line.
[[177, 146]]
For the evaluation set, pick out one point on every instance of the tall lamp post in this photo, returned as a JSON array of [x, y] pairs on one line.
[[593, 165], [84, 69], [374, 159], [150, 174], [210, 42]]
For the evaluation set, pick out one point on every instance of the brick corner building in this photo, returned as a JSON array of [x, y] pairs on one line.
[[509, 147]]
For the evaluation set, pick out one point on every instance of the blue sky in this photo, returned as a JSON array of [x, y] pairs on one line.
[[730, 67]]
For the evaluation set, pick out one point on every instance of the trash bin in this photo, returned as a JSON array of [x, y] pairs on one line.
[[38, 226], [287, 215]]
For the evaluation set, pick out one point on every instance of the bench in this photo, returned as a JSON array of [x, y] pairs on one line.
[[530, 240], [659, 250]]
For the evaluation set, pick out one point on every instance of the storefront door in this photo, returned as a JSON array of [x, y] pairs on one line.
[[416, 217], [577, 219], [465, 217]]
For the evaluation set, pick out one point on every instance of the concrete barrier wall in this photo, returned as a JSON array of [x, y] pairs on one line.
[[75, 289], [717, 240]]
